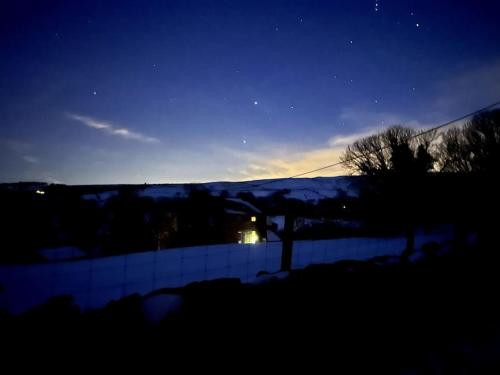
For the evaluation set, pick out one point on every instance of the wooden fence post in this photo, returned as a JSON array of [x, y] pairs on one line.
[[286, 253]]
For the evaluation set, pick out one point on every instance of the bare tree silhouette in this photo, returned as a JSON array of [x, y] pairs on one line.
[[475, 147], [395, 151]]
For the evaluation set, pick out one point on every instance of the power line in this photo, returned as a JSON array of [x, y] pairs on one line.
[[491, 106], [419, 134]]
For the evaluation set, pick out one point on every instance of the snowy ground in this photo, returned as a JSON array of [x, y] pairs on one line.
[[95, 282]]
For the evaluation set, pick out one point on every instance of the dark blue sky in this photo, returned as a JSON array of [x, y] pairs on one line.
[[175, 91]]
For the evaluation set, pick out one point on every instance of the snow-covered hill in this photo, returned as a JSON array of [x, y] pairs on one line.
[[306, 189]]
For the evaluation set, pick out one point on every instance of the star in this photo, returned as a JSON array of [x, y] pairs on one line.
[[276, 28], [292, 107], [244, 141], [417, 24], [94, 92], [350, 42], [255, 102], [375, 101]]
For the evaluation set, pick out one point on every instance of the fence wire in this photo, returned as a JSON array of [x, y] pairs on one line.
[[95, 282]]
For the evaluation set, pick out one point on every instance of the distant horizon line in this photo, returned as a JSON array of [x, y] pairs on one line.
[[170, 183]]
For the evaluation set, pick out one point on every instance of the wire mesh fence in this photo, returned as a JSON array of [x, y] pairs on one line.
[[95, 282]]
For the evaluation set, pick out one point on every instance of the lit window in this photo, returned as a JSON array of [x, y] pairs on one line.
[[253, 219], [249, 237], [253, 238]]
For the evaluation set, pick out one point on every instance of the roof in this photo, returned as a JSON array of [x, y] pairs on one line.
[[234, 212], [245, 203]]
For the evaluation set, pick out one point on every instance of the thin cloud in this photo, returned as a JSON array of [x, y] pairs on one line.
[[20, 149], [14, 145], [111, 129], [31, 159], [306, 161], [470, 89], [372, 122], [344, 140], [284, 161]]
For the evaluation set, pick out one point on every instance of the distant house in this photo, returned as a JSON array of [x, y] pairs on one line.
[[29, 187], [243, 222]]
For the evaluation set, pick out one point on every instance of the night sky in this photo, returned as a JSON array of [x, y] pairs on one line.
[[188, 91]]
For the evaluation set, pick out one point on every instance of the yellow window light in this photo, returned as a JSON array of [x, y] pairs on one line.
[[250, 237], [253, 237]]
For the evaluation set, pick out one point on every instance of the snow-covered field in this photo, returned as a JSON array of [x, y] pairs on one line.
[[95, 282]]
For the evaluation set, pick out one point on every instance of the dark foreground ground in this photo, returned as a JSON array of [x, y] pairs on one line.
[[438, 315]]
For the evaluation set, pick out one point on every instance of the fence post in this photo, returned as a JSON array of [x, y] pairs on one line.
[[287, 243]]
